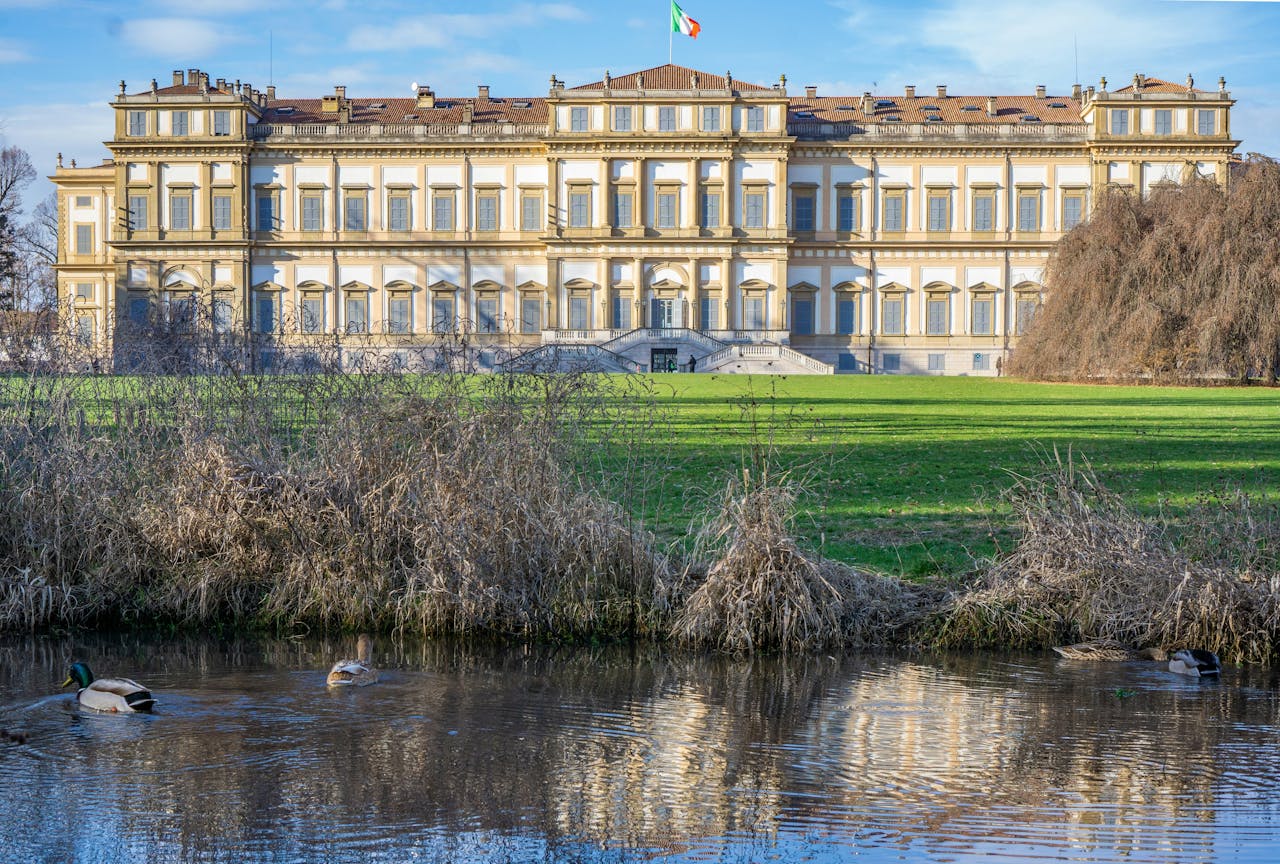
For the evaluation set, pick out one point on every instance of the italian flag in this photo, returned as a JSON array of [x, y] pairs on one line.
[[682, 23]]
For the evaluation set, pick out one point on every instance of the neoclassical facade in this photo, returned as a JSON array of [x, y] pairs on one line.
[[665, 219]]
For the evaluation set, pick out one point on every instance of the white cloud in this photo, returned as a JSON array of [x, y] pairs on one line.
[[179, 38], [74, 129], [444, 30], [11, 52]]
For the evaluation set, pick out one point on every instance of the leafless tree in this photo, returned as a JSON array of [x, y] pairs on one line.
[[1182, 285]]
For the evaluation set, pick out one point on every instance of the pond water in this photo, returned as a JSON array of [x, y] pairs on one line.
[[622, 754]]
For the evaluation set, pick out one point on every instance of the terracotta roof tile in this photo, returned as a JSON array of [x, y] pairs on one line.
[[1157, 85], [400, 110], [670, 77], [183, 90], [919, 109]]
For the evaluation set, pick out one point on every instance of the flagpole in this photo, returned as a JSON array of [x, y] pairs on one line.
[[670, 35]]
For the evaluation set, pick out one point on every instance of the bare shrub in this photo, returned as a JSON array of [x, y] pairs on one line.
[[1088, 567], [1180, 286]]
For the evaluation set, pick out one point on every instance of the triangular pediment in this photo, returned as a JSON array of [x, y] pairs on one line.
[[486, 285], [849, 287], [669, 76], [268, 286], [442, 285], [983, 287], [531, 287], [802, 287]]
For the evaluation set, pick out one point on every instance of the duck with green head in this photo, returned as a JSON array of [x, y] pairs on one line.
[[116, 695]]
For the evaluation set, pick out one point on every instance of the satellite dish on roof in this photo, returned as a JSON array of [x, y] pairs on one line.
[[413, 88]]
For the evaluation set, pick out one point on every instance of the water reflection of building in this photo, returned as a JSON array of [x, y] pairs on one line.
[[640, 220]]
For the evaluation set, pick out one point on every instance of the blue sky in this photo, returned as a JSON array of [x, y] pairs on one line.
[[60, 63]]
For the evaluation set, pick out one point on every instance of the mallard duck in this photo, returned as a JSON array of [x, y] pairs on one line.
[[359, 671], [1195, 662], [108, 694], [1109, 650]]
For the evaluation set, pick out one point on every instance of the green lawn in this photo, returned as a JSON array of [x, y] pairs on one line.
[[919, 461]]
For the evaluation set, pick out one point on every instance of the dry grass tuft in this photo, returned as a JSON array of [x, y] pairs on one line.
[[1088, 567]]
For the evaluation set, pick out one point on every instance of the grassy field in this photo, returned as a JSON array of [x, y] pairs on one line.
[[910, 468]]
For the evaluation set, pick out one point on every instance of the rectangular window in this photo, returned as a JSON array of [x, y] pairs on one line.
[[983, 322], [487, 212], [847, 212], [137, 212], [137, 124], [266, 313], [710, 118], [846, 362], [1072, 211], [1164, 121], [937, 362], [579, 313], [709, 313], [891, 322], [312, 313], [355, 211], [398, 314], [620, 319], [802, 317], [981, 362], [357, 308], [530, 315], [222, 212], [487, 315], [1204, 122], [1119, 121], [442, 315], [312, 213], [894, 211], [984, 211], [755, 119], [442, 213], [804, 207], [668, 209], [398, 212], [1028, 211], [578, 119], [84, 200], [580, 209], [667, 119], [531, 213], [939, 211], [846, 316], [622, 118], [84, 292], [753, 210], [84, 239], [221, 123], [710, 214], [1027, 308], [84, 329], [622, 209], [139, 311], [181, 122], [753, 313], [180, 211], [936, 316], [891, 362], [221, 315], [266, 211]]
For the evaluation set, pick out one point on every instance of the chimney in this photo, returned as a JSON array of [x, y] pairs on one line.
[[271, 92], [344, 112], [177, 78], [426, 97], [1040, 91], [911, 91], [204, 82], [1075, 91], [340, 91], [221, 84], [468, 113], [1088, 93], [329, 105], [942, 91], [153, 87], [1137, 82], [484, 92], [867, 107], [811, 91], [193, 76], [1191, 82], [991, 106]]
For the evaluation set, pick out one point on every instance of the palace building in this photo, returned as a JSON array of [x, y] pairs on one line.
[[661, 220]]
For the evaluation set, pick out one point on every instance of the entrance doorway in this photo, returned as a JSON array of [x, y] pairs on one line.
[[663, 313], [662, 360]]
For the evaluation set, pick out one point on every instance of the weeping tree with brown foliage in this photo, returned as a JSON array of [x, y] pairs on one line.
[[1180, 286]]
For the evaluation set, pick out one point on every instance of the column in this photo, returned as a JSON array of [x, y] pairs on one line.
[[637, 292]]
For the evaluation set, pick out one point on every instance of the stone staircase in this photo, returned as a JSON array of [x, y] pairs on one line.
[[570, 358]]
